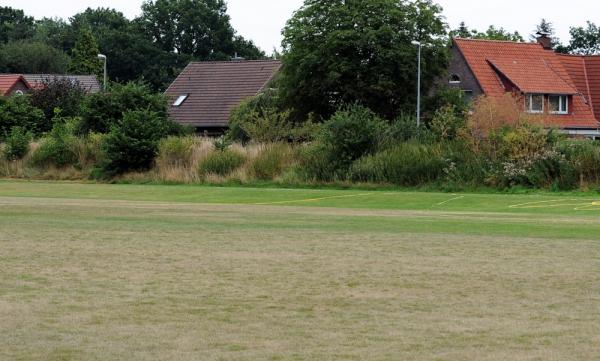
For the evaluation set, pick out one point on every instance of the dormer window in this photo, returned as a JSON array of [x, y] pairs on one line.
[[534, 103], [558, 104], [180, 100], [454, 79]]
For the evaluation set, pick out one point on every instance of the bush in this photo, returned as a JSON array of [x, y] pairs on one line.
[[351, 133], [57, 148], [584, 156], [271, 161], [58, 94], [407, 164], [445, 124], [17, 144], [132, 144], [176, 151], [404, 129], [221, 163], [101, 111], [17, 111]]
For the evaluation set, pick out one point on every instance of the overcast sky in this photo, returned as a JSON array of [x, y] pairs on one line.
[[262, 20]]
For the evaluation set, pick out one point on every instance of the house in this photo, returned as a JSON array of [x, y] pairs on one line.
[[563, 89], [205, 93], [13, 84], [88, 82]]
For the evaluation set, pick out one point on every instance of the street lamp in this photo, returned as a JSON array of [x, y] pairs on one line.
[[105, 59], [420, 46]]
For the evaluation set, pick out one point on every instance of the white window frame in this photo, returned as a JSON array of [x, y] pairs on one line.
[[563, 100], [529, 103], [455, 82], [182, 98], [19, 92]]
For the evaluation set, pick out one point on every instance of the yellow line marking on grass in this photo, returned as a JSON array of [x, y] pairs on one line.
[[451, 200], [314, 199], [579, 206]]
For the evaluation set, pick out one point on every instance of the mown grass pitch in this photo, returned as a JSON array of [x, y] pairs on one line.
[[97, 272]]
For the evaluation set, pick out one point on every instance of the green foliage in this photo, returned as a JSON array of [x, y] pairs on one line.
[[221, 163], [492, 33], [446, 124], [103, 110], [132, 143], [58, 94], [272, 161], [17, 144], [407, 164], [199, 28], [176, 151], [85, 55], [57, 148], [351, 133], [403, 129], [584, 155], [341, 52], [17, 111], [15, 25], [584, 41], [27, 57]]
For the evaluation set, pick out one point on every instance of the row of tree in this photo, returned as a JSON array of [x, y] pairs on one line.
[[154, 46]]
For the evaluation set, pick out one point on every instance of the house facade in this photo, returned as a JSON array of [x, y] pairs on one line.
[[13, 84], [205, 93], [563, 89]]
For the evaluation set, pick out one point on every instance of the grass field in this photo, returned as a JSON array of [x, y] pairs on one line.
[[133, 272]]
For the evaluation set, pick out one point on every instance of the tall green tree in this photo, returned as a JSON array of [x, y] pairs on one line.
[[584, 40], [15, 25], [359, 51], [25, 57], [200, 28], [85, 54], [546, 27]]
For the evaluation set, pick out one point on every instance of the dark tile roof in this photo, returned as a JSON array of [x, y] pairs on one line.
[[9, 81], [89, 82], [215, 88]]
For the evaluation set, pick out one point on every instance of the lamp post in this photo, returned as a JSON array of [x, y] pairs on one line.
[[420, 46], [105, 59]]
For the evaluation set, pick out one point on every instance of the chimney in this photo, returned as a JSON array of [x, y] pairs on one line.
[[544, 40]]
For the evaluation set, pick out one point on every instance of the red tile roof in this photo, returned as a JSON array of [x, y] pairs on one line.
[[9, 81], [532, 69], [215, 88]]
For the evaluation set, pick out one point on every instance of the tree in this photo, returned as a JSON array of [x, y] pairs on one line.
[[340, 52], [17, 111], [200, 28], [85, 54], [584, 41], [58, 94], [24, 57], [14, 25], [492, 33], [54, 32], [545, 27]]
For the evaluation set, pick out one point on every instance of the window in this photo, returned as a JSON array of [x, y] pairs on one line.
[[558, 104], [454, 79], [180, 100], [19, 92], [534, 103]]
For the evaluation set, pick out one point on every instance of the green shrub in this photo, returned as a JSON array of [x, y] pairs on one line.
[[351, 133], [404, 129], [103, 110], [176, 151], [57, 148], [221, 163], [272, 161], [132, 144], [407, 164], [17, 111], [315, 164], [17, 144], [584, 155], [446, 124]]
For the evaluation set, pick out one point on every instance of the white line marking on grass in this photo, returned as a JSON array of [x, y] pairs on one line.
[[450, 200], [314, 199], [579, 206]]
